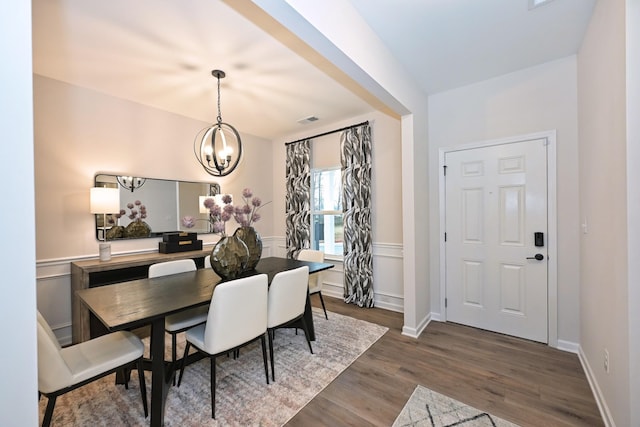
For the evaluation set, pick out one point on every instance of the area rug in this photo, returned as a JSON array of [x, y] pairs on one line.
[[426, 408], [243, 397]]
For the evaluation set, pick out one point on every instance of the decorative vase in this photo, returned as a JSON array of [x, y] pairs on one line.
[[137, 228], [229, 257], [115, 232], [252, 239]]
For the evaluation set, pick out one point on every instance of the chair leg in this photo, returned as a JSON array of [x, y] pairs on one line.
[[184, 361], [143, 388], [264, 357], [306, 333], [273, 374], [213, 387], [173, 357], [48, 414], [323, 307]]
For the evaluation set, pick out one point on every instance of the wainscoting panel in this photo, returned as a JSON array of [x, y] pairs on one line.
[[53, 282]]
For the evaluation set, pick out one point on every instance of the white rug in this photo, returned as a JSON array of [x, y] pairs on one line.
[[426, 408], [243, 397]]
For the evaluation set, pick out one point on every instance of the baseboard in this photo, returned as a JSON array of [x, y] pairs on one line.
[[415, 332], [568, 346], [605, 413]]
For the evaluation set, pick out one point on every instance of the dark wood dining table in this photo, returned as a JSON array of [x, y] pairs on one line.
[[136, 303]]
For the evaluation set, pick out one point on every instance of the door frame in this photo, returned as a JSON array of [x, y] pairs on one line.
[[552, 231]]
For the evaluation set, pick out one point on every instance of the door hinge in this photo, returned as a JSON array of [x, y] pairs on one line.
[[445, 236], [444, 168], [445, 303]]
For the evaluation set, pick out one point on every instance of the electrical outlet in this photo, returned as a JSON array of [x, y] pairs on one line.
[[606, 360]]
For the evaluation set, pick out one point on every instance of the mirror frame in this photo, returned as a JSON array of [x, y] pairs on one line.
[[128, 195]]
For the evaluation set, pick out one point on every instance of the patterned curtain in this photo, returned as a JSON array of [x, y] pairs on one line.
[[355, 155], [297, 199]]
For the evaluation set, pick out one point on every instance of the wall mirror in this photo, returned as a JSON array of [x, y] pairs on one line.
[[166, 203]]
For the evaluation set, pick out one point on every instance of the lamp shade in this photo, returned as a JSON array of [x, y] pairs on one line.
[[104, 200]]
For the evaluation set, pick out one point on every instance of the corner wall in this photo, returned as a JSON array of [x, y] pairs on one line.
[[19, 405], [603, 208]]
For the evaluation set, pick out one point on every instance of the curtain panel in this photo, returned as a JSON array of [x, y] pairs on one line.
[[297, 199], [355, 156]]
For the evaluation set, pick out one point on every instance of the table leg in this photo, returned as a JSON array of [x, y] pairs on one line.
[[158, 381], [308, 317]]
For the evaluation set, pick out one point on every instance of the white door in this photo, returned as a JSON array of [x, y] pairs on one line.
[[496, 271]]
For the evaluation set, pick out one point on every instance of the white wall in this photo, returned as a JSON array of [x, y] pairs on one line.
[[18, 405], [633, 200], [536, 99], [603, 204], [386, 205]]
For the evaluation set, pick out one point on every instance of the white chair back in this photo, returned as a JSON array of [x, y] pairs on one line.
[[315, 279], [207, 261], [237, 314], [53, 372], [287, 296], [171, 267]]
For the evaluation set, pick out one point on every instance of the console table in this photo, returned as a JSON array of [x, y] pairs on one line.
[[92, 273]]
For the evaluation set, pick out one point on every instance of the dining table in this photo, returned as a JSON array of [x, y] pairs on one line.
[[133, 304]]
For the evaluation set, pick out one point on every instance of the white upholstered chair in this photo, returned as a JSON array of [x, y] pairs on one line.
[[179, 322], [287, 298], [61, 370], [237, 316], [315, 279]]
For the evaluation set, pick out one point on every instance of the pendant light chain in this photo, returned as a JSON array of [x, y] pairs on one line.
[[219, 112]]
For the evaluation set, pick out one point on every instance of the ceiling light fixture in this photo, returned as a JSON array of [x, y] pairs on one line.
[[218, 147]]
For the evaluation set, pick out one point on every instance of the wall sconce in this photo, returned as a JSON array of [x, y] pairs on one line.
[[131, 182], [218, 148], [104, 201]]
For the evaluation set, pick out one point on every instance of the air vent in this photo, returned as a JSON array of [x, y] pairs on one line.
[[306, 120]]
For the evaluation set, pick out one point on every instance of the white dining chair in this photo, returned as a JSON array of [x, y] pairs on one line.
[[287, 298], [237, 317], [179, 322], [61, 370], [315, 279]]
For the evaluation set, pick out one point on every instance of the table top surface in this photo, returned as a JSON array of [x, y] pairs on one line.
[[135, 303]]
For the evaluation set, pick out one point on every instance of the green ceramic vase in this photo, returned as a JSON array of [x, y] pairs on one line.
[[229, 257], [137, 228], [252, 239]]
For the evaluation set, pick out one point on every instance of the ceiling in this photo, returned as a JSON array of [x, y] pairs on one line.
[[160, 53]]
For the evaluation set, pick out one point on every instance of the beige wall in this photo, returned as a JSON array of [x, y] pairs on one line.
[[386, 177], [386, 205], [603, 205], [533, 100], [79, 132]]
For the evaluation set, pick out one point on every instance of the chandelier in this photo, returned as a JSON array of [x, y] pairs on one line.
[[131, 182], [218, 147]]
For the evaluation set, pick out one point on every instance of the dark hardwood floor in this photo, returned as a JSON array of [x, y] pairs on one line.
[[527, 383]]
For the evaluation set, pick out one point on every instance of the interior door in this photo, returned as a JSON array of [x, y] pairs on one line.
[[496, 231]]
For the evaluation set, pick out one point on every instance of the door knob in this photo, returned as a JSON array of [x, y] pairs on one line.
[[539, 257]]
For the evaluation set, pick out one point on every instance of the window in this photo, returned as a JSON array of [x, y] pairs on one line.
[[326, 211]]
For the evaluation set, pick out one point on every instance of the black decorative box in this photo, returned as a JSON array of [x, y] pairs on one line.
[[179, 237], [179, 246]]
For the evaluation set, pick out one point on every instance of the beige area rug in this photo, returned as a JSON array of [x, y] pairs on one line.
[[243, 397], [426, 408]]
